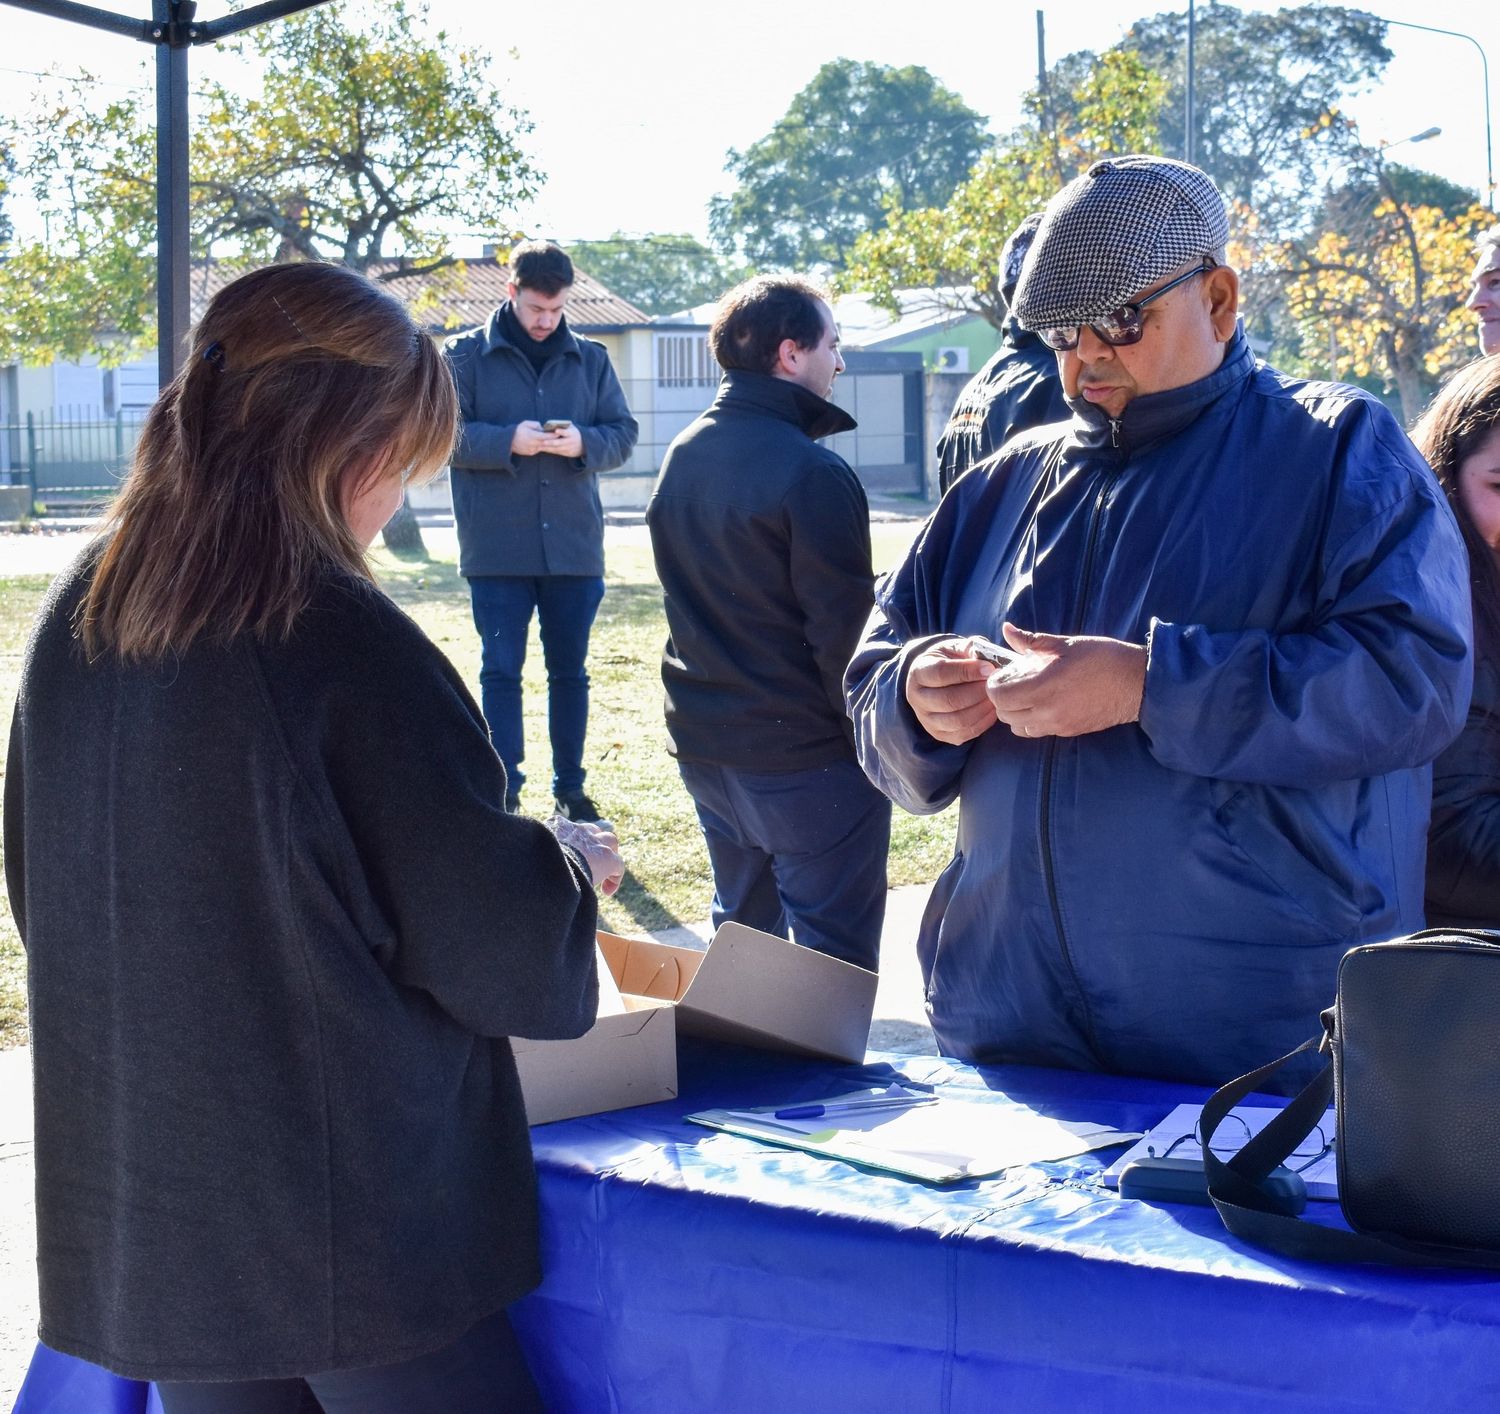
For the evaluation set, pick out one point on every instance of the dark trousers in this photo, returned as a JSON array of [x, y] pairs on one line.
[[804, 850], [482, 1373], [565, 605]]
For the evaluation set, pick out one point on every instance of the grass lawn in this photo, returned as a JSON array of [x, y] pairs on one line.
[[630, 774]]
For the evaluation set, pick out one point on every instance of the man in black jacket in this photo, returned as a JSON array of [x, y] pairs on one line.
[[1017, 389], [542, 415], [762, 543]]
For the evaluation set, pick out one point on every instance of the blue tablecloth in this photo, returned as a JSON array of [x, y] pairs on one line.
[[690, 1270]]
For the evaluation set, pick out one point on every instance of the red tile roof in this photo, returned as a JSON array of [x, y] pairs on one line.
[[457, 296]]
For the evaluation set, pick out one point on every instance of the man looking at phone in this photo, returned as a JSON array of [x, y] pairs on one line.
[[762, 543], [542, 414], [1239, 606]]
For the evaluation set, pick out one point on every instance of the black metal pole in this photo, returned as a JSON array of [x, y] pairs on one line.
[[173, 258], [1188, 145]]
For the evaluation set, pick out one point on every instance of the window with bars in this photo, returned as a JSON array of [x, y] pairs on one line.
[[683, 361]]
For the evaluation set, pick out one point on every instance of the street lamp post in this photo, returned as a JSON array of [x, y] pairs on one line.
[[1489, 155]]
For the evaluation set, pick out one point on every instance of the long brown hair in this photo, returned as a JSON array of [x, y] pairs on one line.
[[303, 383], [1458, 420]]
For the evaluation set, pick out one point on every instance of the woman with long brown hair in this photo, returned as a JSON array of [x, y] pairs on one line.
[[278, 921], [1460, 436]]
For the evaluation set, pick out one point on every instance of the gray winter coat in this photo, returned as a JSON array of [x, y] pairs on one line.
[[536, 515]]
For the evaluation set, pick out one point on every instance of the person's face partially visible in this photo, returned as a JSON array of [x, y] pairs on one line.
[[1177, 346], [1479, 489], [368, 504], [538, 314], [817, 367], [1484, 298]]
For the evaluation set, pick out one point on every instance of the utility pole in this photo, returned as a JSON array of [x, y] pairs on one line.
[[1188, 145], [173, 26]]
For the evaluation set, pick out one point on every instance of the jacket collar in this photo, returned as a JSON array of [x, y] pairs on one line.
[[780, 397], [494, 338], [1154, 417]]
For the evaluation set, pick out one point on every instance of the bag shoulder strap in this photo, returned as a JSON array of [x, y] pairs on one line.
[[1248, 1212]]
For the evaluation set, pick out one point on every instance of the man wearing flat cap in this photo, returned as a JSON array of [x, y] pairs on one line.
[[1239, 610]]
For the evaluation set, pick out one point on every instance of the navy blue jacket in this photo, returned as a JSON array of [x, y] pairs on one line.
[[1018, 389], [762, 544], [1171, 897], [534, 515]]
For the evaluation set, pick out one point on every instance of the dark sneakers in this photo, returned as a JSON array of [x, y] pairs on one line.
[[580, 808]]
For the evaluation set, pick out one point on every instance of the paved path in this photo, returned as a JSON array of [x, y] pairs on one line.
[[900, 1025]]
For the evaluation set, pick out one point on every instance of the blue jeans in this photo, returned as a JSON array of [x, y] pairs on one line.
[[480, 1373], [565, 604], [799, 850]]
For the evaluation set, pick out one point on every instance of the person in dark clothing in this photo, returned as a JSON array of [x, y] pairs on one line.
[[278, 920], [1017, 389], [1460, 437], [762, 544], [542, 414], [1240, 635]]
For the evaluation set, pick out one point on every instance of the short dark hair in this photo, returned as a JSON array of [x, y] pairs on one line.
[[542, 266], [753, 319]]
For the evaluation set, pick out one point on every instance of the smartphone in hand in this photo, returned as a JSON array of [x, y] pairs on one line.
[[994, 653], [556, 424]]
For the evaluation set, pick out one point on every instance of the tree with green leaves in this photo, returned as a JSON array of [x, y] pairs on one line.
[[660, 274], [1374, 290], [858, 138], [953, 250], [1263, 81], [7, 175], [370, 135]]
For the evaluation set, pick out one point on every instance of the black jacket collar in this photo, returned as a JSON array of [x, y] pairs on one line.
[[1153, 417], [780, 397], [494, 337]]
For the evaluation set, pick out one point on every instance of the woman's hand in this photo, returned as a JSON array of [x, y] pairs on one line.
[[599, 847]]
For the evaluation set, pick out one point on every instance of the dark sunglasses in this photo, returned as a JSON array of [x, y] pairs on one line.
[[1123, 326]]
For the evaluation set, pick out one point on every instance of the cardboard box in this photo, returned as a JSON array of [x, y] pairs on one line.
[[627, 1057], [748, 988]]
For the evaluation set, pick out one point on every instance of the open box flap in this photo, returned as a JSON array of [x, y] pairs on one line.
[[648, 969], [752, 988]]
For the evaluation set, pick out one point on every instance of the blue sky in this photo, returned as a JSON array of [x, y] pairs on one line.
[[636, 104]]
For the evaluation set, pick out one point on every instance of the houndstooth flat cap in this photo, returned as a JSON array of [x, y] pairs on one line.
[[1110, 233]]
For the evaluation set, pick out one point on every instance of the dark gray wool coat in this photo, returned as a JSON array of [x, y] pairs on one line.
[[278, 926], [538, 515]]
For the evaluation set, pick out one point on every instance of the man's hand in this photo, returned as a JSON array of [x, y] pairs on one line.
[[566, 442], [1068, 686], [598, 846], [946, 689], [529, 439]]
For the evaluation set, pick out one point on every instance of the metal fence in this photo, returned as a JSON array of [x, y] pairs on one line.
[[68, 458]]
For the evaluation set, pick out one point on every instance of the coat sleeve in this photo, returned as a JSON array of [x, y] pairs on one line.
[[482, 446], [918, 772], [609, 441], [1377, 681], [826, 520], [15, 871], [1463, 848], [481, 909]]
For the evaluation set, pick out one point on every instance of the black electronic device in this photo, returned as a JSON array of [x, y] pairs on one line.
[[1183, 1181]]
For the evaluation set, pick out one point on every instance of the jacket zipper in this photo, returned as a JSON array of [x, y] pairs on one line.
[[1049, 757]]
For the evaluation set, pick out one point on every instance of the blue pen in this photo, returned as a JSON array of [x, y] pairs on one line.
[[838, 1107]]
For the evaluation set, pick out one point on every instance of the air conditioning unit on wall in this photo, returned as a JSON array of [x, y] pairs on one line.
[[952, 359]]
